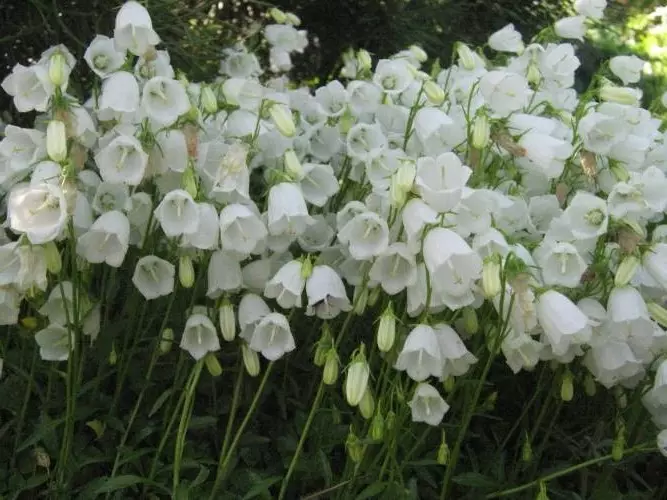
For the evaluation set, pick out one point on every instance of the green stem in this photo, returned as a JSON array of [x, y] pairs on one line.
[[568, 470], [239, 433], [24, 408], [302, 439]]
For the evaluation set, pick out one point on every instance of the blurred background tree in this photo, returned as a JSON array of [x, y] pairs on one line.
[[195, 31]]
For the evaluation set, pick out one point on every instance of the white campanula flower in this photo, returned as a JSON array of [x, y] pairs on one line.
[[178, 213], [332, 98], [237, 62], [287, 285], [504, 92], [224, 170], [440, 181], [600, 132], [164, 100], [22, 147], [59, 307], [39, 211], [506, 39], [393, 76], [170, 152], [521, 351], [367, 235], [154, 277], [455, 356], [451, 263], [627, 68], [415, 216], [224, 274], [427, 123], [154, 63], [122, 161], [544, 154], [139, 207], [394, 269], [199, 336], [490, 242], [365, 142], [285, 38], [10, 304], [586, 215], [326, 293], [120, 93], [654, 261], [244, 92], [629, 320], [10, 265], [421, 356], [560, 262], [427, 405], [207, 234], [32, 267], [134, 29], [558, 63], [318, 236], [563, 322], [573, 27], [30, 87], [107, 239], [103, 57], [252, 309], [272, 337], [48, 172], [319, 183], [287, 210], [590, 8], [241, 229], [54, 342]]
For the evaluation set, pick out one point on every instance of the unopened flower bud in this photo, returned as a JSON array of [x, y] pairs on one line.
[[354, 447], [466, 56], [58, 69], [620, 95], [330, 372], [293, 166], [442, 456], [386, 334], [322, 347], [54, 262], [360, 300], [619, 172], [356, 380], [418, 53], [374, 296], [292, 19], [448, 383], [189, 181], [490, 403], [113, 355], [227, 321], [306, 268], [208, 100], [626, 270], [250, 360], [364, 60], [186, 271], [589, 385], [434, 92], [481, 132], [618, 446], [491, 283], [367, 404], [470, 322], [213, 365], [29, 322], [56, 141], [567, 387], [377, 427], [526, 449], [346, 122], [658, 313], [621, 397], [166, 340], [277, 15], [533, 74], [405, 175], [282, 118]]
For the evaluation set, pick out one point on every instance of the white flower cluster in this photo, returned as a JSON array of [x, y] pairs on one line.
[[488, 187]]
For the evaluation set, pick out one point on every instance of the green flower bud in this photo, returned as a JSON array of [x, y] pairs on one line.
[[449, 384], [186, 271], [364, 60], [354, 447], [113, 355], [626, 270], [227, 321], [618, 446], [377, 427], [620, 95], [213, 365], [330, 372], [470, 322], [466, 56], [322, 346], [491, 284], [658, 313], [590, 387], [292, 19], [418, 53], [386, 335], [208, 100], [567, 387], [189, 181], [374, 295], [442, 456], [481, 132], [54, 262], [390, 420], [356, 380], [58, 69], [250, 360], [526, 449], [367, 404], [619, 172], [166, 340], [56, 141], [293, 166], [360, 299], [282, 118], [277, 15], [434, 92]]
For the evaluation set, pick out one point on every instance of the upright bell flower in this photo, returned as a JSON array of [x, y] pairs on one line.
[[421, 356], [134, 29], [427, 405]]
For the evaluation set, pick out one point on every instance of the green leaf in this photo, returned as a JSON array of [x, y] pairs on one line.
[[159, 402], [371, 491], [475, 480], [122, 482], [262, 487]]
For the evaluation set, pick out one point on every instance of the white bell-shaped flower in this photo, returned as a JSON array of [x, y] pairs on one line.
[[440, 181], [395, 269], [103, 57], [224, 170], [30, 87], [120, 93], [505, 92], [366, 234], [421, 356], [178, 213], [122, 161], [366, 142], [38, 211], [654, 262], [287, 285], [573, 27], [10, 264], [107, 240], [563, 322], [629, 320], [393, 76], [272, 337], [455, 355], [627, 68], [54, 343], [318, 236], [287, 211], [416, 215], [586, 216], [241, 229], [59, 307], [506, 39], [164, 100], [154, 277], [207, 234], [199, 336], [10, 305], [318, 183], [326, 293], [590, 8], [252, 309], [521, 351], [154, 63], [32, 267], [170, 152], [224, 274], [22, 147], [134, 29], [427, 405]]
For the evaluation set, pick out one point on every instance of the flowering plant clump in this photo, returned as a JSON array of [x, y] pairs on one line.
[[411, 230]]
